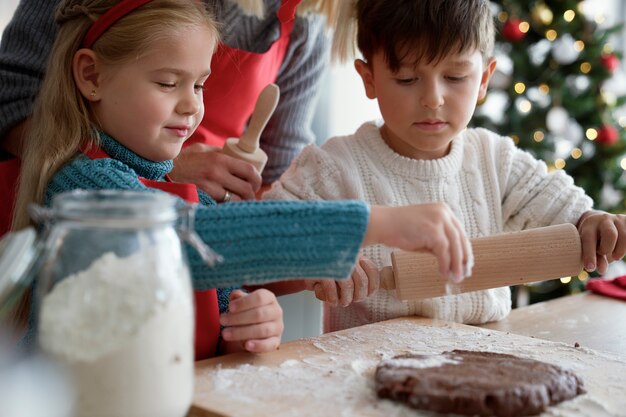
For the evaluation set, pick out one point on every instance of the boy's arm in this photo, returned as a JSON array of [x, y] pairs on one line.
[[302, 181], [318, 173], [532, 196]]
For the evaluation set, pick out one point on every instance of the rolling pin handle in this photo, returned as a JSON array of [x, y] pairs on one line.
[[387, 280]]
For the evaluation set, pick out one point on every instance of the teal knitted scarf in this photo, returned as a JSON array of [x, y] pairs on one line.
[[144, 167]]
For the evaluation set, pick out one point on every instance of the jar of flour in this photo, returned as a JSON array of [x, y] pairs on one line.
[[114, 302]]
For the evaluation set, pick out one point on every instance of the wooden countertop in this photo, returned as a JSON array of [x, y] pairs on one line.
[[591, 320], [332, 374]]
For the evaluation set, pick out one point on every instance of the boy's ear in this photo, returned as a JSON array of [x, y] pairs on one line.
[[365, 71], [484, 81], [85, 68]]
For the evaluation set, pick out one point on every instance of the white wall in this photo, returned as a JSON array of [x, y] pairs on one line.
[[6, 11]]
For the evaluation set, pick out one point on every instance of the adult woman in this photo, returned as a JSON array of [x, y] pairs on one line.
[[263, 41]]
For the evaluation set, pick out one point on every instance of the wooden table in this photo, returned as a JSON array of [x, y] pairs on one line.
[[593, 321], [332, 374]]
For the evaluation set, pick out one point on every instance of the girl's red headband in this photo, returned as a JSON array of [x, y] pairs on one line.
[[108, 18]]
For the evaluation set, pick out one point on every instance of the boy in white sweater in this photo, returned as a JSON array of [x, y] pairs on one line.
[[428, 63]]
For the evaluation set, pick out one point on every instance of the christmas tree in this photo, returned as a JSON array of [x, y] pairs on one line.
[[558, 93]]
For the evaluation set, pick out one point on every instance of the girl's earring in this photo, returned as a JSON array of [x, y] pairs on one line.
[[93, 94]]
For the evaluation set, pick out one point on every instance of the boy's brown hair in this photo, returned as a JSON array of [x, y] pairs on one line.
[[426, 30]]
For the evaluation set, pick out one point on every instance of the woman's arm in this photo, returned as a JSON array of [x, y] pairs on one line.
[[289, 129], [26, 43]]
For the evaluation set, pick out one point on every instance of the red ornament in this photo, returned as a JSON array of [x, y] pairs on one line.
[[511, 30], [607, 135], [610, 62]]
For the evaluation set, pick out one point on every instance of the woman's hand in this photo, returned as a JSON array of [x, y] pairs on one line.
[[424, 227], [215, 173], [254, 322]]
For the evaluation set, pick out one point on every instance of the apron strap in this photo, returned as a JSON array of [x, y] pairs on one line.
[[287, 11]]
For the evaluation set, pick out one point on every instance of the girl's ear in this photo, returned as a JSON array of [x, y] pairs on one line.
[[365, 71], [86, 73], [484, 81]]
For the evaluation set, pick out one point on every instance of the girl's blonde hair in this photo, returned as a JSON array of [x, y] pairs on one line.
[[340, 19], [61, 123]]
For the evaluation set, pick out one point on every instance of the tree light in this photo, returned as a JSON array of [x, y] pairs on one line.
[[551, 34], [559, 163], [591, 134], [569, 15], [543, 14], [585, 67], [579, 45], [524, 27], [577, 153], [520, 88], [524, 106]]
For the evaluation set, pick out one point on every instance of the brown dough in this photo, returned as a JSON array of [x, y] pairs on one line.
[[475, 383]]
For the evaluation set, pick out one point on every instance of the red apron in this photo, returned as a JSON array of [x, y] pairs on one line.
[[237, 78], [9, 173], [207, 307]]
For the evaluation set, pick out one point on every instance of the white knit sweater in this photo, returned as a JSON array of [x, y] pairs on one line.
[[489, 184]]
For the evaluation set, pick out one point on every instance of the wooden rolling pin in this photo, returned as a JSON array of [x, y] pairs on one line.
[[499, 260], [247, 147]]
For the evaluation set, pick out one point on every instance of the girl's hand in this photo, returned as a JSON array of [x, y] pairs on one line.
[[603, 239], [215, 173], [254, 322], [424, 227], [363, 282]]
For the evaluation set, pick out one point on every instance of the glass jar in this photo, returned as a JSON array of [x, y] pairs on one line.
[[113, 300]]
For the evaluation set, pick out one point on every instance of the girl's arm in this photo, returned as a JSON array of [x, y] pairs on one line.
[[275, 240]]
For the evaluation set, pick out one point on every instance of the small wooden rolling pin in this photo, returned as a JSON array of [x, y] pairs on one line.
[[499, 260], [247, 147]]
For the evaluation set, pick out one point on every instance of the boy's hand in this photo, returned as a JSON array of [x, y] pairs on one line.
[[254, 322], [603, 239], [424, 227], [363, 282]]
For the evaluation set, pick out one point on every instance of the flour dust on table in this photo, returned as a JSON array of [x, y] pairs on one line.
[[334, 375]]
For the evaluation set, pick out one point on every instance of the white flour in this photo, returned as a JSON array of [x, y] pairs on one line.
[[124, 329], [426, 361]]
